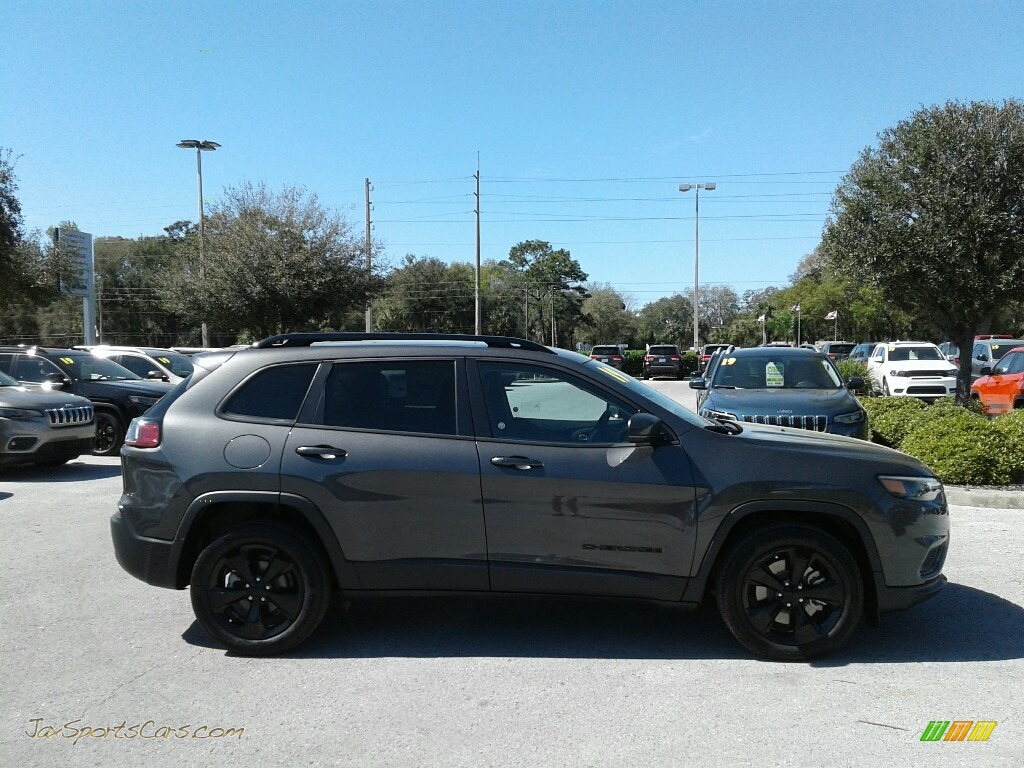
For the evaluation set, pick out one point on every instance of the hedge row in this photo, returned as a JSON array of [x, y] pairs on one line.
[[962, 446]]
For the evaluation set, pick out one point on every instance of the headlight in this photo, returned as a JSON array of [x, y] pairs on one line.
[[707, 413], [915, 488], [19, 413], [850, 418], [142, 401], [899, 374]]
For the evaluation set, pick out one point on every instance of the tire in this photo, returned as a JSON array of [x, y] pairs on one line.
[[109, 434], [769, 611], [885, 388], [227, 575]]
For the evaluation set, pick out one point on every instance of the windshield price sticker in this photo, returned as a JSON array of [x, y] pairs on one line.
[[773, 376], [67, 360]]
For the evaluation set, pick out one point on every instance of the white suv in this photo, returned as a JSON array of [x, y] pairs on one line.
[[147, 362], [912, 369]]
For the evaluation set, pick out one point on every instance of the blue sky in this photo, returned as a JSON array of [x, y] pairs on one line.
[[586, 116]]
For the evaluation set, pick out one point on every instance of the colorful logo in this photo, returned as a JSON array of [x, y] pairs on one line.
[[958, 730]]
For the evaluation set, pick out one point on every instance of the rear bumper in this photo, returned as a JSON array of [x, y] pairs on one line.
[[153, 561]]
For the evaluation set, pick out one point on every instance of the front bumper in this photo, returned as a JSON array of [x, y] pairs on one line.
[[892, 599]]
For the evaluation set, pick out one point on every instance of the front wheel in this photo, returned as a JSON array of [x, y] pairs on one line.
[[885, 388], [790, 593], [260, 589], [109, 434]]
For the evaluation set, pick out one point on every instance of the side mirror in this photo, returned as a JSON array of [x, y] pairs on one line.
[[986, 370], [645, 429], [855, 383], [158, 376], [56, 381], [698, 383]]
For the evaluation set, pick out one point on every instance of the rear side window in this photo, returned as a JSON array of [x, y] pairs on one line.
[[392, 396], [273, 393]]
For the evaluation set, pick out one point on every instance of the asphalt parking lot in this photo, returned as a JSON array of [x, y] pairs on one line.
[[101, 669]]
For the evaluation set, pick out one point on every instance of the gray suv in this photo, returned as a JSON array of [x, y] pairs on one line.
[[48, 428], [391, 464]]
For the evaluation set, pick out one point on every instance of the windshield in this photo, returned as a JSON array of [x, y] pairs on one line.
[[176, 363], [88, 367], [644, 392], [767, 371], [915, 353]]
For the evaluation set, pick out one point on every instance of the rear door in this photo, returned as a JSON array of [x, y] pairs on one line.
[[386, 453], [570, 507]]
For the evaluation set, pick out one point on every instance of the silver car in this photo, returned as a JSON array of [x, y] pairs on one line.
[[38, 427]]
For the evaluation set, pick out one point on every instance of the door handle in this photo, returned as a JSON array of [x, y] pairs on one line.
[[321, 451], [518, 462]]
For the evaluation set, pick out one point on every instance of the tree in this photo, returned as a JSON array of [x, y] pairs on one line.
[[428, 295], [606, 317], [272, 263], [551, 280], [933, 216], [10, 216], [668, 320]]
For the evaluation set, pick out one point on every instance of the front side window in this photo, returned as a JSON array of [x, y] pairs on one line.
[[392, 396], [539, 404], [1012, 363], [34, 369]]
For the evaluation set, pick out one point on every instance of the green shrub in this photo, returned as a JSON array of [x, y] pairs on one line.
[[690, 363], [634, 362], [890, 418], [848, 369], [1011, 426], [958, 446]]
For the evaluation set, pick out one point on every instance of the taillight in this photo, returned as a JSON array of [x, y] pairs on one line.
[[616, 357], [649, 357], [674, 357], [143, 433]]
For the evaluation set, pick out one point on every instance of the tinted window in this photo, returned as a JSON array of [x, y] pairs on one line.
[[34, 369], [392, 396], [915, 353], [663, 351], [1012, 363], [606, 351], [273, 393], [538, 404], [998, 350], [140, 366]]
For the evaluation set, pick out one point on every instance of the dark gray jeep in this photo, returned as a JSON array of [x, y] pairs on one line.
[[384, 464]]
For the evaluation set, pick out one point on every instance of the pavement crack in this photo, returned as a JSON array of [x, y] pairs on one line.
[[883, 725]]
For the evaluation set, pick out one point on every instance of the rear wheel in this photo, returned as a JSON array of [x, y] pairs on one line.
[[790, 593], [260, 589], [109, 434]]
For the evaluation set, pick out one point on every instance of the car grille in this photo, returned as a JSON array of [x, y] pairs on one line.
[[68, 417], [926, 390], [817, 423], [933, 563], [920, 374]]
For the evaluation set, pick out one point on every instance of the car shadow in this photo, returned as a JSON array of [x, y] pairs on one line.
[[74, 471], [960, 624]]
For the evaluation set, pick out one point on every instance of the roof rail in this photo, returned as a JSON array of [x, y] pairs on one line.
[[306, 339]]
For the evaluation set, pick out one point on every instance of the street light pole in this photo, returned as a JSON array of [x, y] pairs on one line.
[[200, 147], [709, 186]]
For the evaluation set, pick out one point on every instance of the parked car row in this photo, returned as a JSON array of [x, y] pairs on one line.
[[84, 397]]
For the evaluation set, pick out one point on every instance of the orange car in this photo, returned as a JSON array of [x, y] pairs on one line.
[[1002, 388]]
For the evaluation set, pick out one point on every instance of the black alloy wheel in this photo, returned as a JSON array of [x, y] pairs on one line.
[[790, 593], [109, 434], [260, 589]]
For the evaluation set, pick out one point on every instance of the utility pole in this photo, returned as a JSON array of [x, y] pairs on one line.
[[369, 311], [526, 292], [552, 289], [476, 292]]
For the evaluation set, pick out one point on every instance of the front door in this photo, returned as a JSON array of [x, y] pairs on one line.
[[570, 506]]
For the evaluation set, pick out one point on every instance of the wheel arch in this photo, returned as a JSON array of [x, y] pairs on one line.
[[841, 523], [213, 514]]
